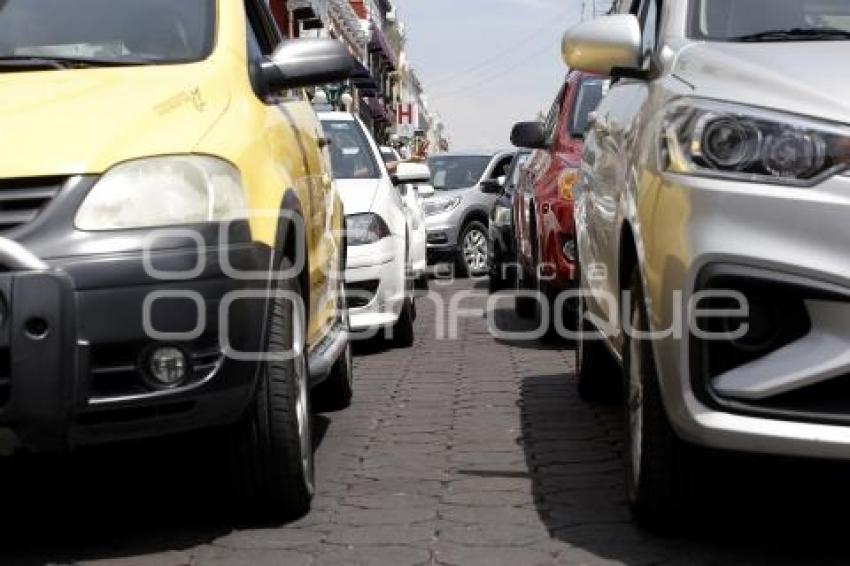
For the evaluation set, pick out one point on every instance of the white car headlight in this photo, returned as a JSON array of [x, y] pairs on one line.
[[731, 141], [435, 206], [363, 229], [164, 191]]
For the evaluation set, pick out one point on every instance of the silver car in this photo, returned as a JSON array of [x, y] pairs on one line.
[[713, 233], [466, 186]]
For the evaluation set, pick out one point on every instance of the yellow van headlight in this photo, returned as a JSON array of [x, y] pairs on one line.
[[164, 191]]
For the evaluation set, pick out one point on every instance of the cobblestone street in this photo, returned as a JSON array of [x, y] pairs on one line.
[[457, 452]]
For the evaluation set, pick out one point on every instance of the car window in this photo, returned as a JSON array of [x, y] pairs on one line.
[[157, 31], [648, 16], [550, 126], [590, 94], [260, 27], [501, 168], [724, 20], [449, 172], [351, 154], [515, 171]]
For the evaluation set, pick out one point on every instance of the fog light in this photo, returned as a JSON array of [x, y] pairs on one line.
[[167, 366]]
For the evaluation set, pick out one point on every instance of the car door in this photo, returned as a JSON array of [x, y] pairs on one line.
[[608, 173], [292, 123], [416, 223], [538, 170]]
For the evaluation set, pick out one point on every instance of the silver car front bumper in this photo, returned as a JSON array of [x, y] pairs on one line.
[[790, 238]]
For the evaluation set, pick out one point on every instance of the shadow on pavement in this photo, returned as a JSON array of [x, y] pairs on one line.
[[505, 321], [118, 501], [750, 509]]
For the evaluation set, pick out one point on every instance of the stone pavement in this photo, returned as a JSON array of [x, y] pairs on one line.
[[459, 452]]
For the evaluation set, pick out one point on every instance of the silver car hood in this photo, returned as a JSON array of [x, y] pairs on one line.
[[804, 78]]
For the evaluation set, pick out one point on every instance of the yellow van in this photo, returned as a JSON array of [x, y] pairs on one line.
[[169, 233]]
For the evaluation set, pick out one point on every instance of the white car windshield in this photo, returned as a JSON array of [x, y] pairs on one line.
[[351, 154], [770, 20], [106, 31]]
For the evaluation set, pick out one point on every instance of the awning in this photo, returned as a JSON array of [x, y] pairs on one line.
[[378, 109], [362, 78], [380, 44]]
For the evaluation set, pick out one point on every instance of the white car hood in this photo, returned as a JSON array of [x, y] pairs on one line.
[[806, 78], [358, 195]]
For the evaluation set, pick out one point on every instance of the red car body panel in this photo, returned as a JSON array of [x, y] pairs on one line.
[[543, 219]]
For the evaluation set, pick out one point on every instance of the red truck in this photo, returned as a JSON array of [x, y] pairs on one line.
[[543, 204]]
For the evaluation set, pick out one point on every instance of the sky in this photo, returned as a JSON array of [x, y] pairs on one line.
[[487, 64]]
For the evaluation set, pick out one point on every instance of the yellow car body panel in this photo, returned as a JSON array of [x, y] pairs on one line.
[[86, 121]]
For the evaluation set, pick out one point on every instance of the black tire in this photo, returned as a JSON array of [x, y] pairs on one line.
[[403, 332], [548, 297], [497, 282], [660, 467], [464, 268], [599, 375], [336, 392], [524, 306], [270, 449]]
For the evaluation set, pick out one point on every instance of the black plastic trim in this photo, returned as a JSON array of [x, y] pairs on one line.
[[810, 288]]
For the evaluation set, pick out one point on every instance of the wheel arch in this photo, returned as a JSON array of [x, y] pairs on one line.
[[475, 215], [287, 240]]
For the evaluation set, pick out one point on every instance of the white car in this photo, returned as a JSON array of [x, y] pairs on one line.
[[413, 203], [378, 289], [410, 195], [390, 155]]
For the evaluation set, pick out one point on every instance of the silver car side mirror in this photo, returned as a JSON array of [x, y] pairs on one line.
[[604, 45]]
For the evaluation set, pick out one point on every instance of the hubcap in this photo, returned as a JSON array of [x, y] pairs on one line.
[[635, 406], [302, 402], [475, 251]]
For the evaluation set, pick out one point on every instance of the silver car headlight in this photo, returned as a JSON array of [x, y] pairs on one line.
[[731, 141], [435, 206], [164, 191]]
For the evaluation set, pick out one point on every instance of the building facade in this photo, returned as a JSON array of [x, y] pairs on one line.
[[384, 89]]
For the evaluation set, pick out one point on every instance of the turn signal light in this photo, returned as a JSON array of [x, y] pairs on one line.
[[566, 183]]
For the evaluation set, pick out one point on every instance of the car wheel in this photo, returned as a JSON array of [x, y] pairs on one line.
[[403, 334], [599, 376], [271, 449], [659, 465], [472, 258], [336, 392]]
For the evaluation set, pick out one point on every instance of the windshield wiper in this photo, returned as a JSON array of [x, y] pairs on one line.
[[796, 34], [22, 62]]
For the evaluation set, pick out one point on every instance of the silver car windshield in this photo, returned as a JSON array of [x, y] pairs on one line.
[[106, 31], [449, 172], [770, 20], [351, 154]]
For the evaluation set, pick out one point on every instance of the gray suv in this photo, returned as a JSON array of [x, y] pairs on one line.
[[712, 220], [466, 186]]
